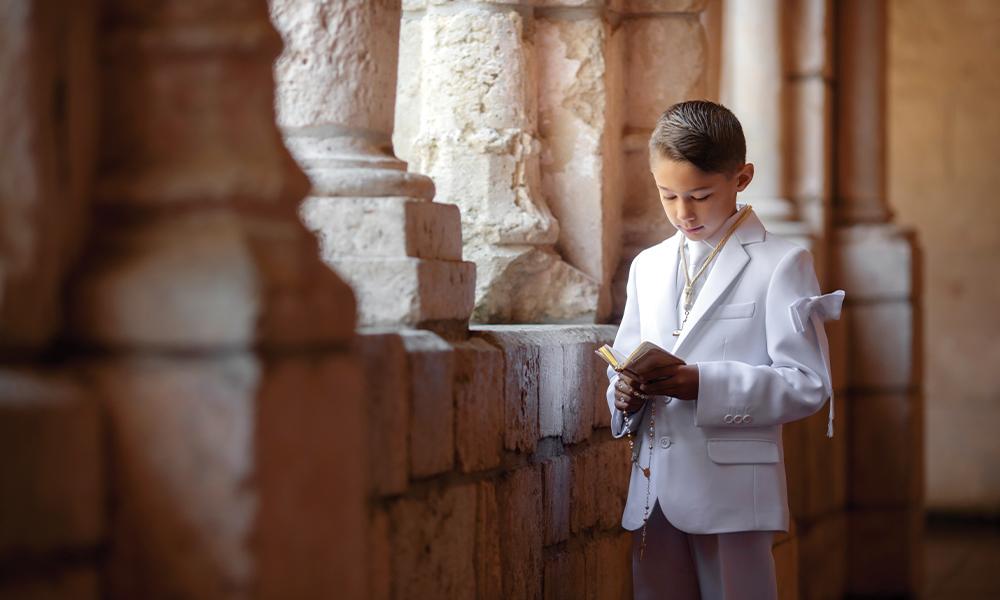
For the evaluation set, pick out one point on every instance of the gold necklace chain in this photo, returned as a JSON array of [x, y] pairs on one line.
[[689, 281]]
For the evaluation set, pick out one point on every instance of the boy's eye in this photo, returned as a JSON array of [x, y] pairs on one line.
[[666, 197], [705, 197]]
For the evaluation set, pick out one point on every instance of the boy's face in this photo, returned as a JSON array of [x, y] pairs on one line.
[[697, 202]]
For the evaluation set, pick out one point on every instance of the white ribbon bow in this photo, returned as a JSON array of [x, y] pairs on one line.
[[826, 307]]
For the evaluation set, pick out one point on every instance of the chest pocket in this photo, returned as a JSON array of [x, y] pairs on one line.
[[743, 310]]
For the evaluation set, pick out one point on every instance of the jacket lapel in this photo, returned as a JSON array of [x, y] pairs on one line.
[[667, 304], [730, 262]]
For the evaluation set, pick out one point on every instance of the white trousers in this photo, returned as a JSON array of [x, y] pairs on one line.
[[683, 566]]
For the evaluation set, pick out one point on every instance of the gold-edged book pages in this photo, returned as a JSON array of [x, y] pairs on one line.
[[645, 358]]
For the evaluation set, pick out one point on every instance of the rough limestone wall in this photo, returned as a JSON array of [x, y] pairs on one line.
[[494, 471], [467, 115]]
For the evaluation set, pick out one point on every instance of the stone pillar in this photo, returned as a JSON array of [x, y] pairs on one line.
[[654, 80], [468, 115], [377, 224], [214, 336], [753, 87], [877, 263], [580, 119]]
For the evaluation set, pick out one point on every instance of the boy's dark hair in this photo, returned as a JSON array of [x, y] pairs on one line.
[[703, 133]]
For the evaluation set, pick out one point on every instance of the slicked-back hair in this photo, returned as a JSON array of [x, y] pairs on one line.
[[703, 133]]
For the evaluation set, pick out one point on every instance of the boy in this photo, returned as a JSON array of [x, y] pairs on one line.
[[741, 307]]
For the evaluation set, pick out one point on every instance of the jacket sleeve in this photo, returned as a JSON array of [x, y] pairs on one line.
[[626, 340], [797, 382]]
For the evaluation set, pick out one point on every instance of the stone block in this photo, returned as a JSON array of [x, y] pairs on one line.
[[556, 477], [519, 495], [80, 583], [409, 290], [809, 31], [432, 406], [384, 227], [664, 6], [380, 553], [673, 73], [577, 387], [885, 552], [479, 396], [883, 353], [875, 262], [52, 485], [815, 465], [521, 385], [583, 494], [433, 540], [810, 157], [387, 404], [489, 573], [566, 574], [309, 483], [611, 479], [823, 557], [886, 453], [602, 414], [786, 568], [609, 566]]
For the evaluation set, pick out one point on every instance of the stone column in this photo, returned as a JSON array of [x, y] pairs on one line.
[[377, 224], [877, 263], [214, 336], [468, 115], [753, 87], [665, 59]]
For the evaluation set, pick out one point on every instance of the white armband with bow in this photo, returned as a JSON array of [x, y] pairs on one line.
[[817, 309]]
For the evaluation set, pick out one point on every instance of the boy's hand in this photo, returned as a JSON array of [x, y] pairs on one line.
[[628, 397], [678, 381]]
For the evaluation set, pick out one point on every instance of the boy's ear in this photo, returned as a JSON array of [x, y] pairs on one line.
[[744, 176]]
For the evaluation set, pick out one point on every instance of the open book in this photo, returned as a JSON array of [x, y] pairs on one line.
[[645, 358]]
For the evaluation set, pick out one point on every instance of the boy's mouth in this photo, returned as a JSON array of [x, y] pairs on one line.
[[693, 229]]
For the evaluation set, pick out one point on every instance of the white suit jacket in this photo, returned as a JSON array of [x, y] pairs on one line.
[[756, 334]]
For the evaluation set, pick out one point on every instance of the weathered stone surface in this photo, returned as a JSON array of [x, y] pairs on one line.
[[384, 227], [609, 566], [432, 407], [489, 566], [182, 447], [882, 337], [479, 397], [604, 334], [884, 552], [673, 73], [519, 495], [823, 557], [521, 385], [886, 458], [79, 583], [556, 477], [611, 479], [579, 120], [433, 542], [585, 470], [47, 124], [52, 484], [409, 290], [786, 568], [875, 262], [309, 530], [477, 137], [380, 553], [565, 574], [387, 401]]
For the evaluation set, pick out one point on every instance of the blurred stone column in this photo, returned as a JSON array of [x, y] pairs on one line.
[[665, 59], [215, 337], [377, 224], [877, 263], [753, 87], [468, 115]]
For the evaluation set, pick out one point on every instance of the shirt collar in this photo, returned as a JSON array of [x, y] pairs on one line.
[[717, 236]]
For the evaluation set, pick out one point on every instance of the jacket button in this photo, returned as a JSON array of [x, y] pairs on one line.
[[665, 442], [667, 399], [738, 419], [727, 419], [747, 419]]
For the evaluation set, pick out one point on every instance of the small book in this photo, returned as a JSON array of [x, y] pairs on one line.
[[645, 358]]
